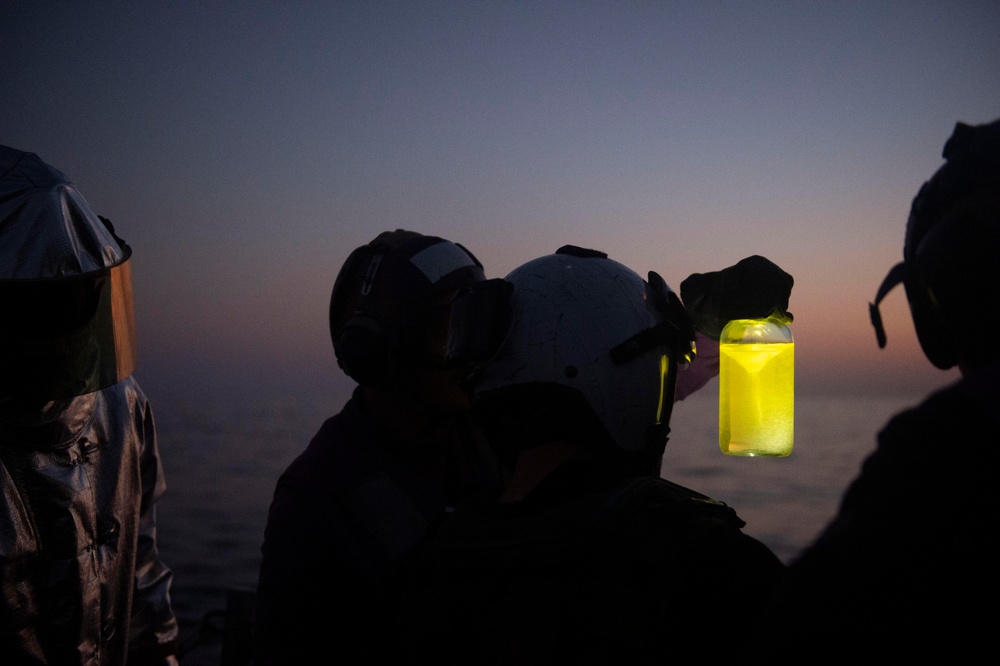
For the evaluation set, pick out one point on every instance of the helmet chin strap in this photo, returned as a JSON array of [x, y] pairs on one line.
[[893, 278]]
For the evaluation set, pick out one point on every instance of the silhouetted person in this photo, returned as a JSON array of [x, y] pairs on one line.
[[908, 567], [586, 556], [80, 475], [381, 475]]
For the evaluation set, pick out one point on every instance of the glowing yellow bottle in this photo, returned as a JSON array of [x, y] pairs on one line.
[[756, 387]]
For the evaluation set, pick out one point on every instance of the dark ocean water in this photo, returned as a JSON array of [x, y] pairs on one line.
[[222, 464]]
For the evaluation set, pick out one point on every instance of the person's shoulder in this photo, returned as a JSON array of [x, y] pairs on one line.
[[131, 386], [697, 532], [118, 408], [344, 449], [662, 526], [655, 495], [126, 392], [961, 410], [932, 470]]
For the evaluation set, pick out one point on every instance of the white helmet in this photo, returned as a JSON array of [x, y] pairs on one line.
[[585, 322]]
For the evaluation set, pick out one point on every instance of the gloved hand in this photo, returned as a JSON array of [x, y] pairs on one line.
[[753, 288]]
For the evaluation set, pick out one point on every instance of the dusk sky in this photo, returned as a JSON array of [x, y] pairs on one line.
[[244, 149]]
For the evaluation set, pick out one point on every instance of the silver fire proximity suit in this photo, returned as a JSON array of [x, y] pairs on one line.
[[80, 474]]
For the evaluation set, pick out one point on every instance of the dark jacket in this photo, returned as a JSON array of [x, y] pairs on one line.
[[908, 566], [344, 516], [582, 572], [80, 578]]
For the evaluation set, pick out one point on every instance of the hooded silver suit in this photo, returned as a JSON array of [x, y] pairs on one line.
[[80, 578]]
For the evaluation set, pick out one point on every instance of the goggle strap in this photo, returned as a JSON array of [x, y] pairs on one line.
[[896, 275]]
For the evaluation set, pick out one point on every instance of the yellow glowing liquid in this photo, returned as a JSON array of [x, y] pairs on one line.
[[756, 393]]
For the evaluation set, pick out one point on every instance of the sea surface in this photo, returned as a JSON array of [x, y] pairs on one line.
[[222, 464]]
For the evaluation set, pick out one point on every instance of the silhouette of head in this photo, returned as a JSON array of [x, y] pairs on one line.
[[390, 296], [951, 247]]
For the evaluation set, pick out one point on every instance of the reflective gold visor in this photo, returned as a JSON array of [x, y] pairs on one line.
[[67, 336]]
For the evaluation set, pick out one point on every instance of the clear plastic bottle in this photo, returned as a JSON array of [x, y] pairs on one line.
[[756, 387]]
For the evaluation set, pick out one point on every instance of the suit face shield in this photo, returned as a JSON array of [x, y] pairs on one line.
[[67, 324], [67, 336]]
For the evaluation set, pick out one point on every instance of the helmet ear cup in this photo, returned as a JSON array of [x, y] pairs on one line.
[[923, 259], [954, 266], [364, 352], [918, 253], [936, 339], [359, 340]]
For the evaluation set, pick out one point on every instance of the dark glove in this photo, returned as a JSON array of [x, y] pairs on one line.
[[752, 289]]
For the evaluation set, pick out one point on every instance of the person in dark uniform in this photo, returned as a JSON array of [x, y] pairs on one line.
[[908, 566], [586, 555], [383, 473]]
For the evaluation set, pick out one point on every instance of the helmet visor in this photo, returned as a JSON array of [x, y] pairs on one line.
[[67, 336]]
